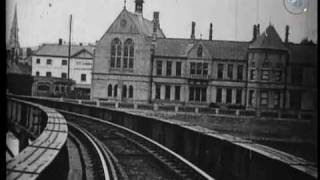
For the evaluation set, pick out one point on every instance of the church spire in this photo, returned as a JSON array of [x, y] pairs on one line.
[[14, 45], [14, 38]]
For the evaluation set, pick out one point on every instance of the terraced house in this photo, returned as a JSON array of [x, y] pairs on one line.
[[135, 62]]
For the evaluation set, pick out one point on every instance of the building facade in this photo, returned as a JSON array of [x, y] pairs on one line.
[[51, 60], [135, 62]]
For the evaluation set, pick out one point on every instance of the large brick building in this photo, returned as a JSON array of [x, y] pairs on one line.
[[135, 61]]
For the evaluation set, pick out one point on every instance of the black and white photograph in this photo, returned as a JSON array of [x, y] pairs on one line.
[[161, 89]]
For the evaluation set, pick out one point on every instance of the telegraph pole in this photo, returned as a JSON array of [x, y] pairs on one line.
[[69, 46]]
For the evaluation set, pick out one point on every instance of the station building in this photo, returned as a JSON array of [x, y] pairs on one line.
[[135, 62], [51, 61]]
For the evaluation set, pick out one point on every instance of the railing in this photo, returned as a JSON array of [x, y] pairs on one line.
[[42, 134], [216, 153]]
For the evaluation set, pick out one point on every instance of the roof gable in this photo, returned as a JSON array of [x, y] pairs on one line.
[[193, 52], [131, 23], [83, 54], [268, 40]]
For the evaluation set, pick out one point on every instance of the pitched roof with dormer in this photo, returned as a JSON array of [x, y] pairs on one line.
[[134, 23], [174, 47], [269, 39], [63, 50]]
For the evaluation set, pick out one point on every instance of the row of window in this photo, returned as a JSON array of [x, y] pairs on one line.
[[228, 99], [127, 92], [169, 68], [167, 95], [198, 94], [265, 97], [220, 74], [83, 77], [49, 62], [122, 57], [266, 74], [199, 68]]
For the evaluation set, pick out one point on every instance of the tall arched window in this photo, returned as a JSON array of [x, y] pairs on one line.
[[130, 91], [124, 91], [128, 54], [199, 53], [115, 53], [115, 93], [110, 90]]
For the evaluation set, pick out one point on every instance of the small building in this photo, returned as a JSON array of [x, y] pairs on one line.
[[51, 60]]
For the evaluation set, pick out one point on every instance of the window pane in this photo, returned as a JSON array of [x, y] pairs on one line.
[[167, 94], [130, 92], [264, 98], [251, 97], [220, 71], [265, 75], [178, 68], [159, 67], [112, 61], [229, 96], [238, 96], [124, 91], [203, 94], [125, 62], [199, 68], [118, 62], [109, 90], [192, 68], [131, 62], [177, 93], [197, 98], [191, 94], [205, 68], [240, 72], [219, 95], [230, 71], [115, 93], [158, 91], [169, 63]]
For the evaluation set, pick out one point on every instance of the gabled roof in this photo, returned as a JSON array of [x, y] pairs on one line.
[[268, 40], [61, 50], [302, 54], [141, 25], [231, 50]]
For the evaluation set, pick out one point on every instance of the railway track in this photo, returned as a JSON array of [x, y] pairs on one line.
[[90, 154], [130, 155]]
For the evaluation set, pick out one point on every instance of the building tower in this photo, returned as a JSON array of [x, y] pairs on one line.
[[13, 46]]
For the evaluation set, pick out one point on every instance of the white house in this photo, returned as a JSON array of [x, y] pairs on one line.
[[51, 60]]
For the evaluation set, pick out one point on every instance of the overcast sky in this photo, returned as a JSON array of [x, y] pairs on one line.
[[45, 21]]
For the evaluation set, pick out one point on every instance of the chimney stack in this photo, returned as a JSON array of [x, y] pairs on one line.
[[287, 34], [192, 30], [210, 32], [139, 6], [254, 37], [60, 41], [156, 24], [258, 29]]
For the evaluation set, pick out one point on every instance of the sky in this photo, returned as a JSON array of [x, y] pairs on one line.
[[45, 21]]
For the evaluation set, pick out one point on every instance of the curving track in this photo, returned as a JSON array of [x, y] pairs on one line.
[[93, 158], [129, 155]]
